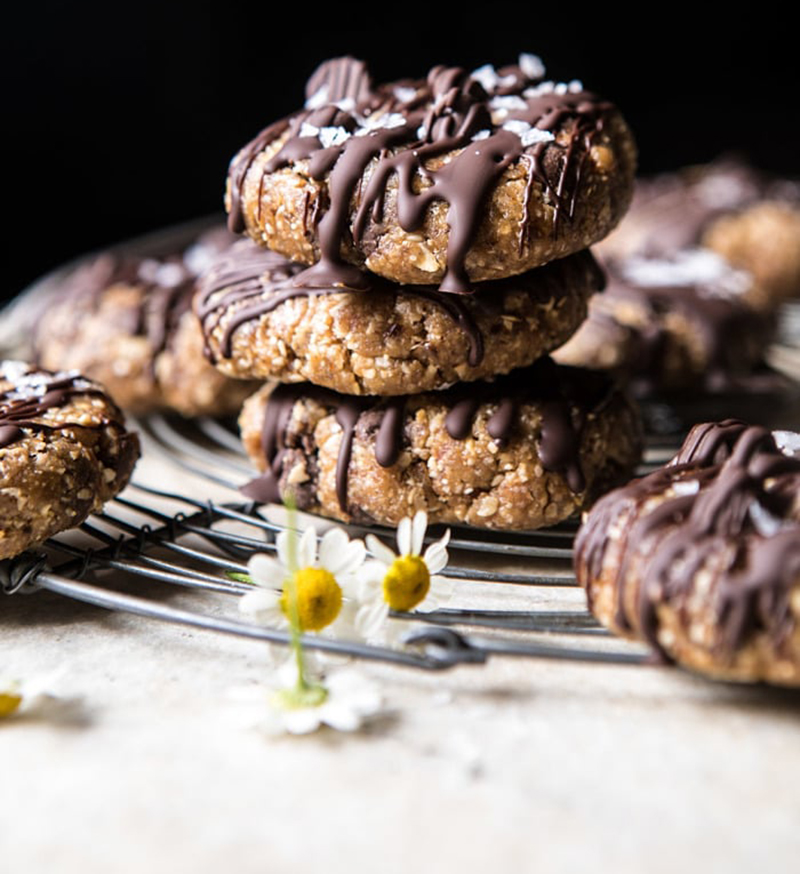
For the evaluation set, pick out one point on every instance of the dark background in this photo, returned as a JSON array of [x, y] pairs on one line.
[[122, 119]]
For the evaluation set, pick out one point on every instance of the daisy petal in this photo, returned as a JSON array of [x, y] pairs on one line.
[[418, 528], [333, 543], [350, 559], [404, 536], [443, 588], [380, 550], [435, 558], [370, 580], [370, 619], [341, 717], [282, 545], [265, 570], [261, 606], [307, 548], [304, 720]]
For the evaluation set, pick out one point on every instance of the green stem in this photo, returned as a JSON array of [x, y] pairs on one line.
[[291, 587]]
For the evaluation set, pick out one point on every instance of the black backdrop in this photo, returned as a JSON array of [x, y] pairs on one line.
[[121, 118]]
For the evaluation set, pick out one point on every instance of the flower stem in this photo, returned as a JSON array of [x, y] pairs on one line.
[[290, 585]]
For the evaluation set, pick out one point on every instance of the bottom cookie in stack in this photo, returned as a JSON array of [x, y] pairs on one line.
[[701, 558], [523, 451]]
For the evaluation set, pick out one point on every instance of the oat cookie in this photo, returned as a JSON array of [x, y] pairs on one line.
[[702, 557], [127, 322], [391, 339], [64, 450], [682, 323], [749, 217], [522, 452], [449, 181]]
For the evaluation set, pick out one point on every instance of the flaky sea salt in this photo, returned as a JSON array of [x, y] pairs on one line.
[[405, 94], [700, 267], [507, 102], [788, 442], [529, 135], [534, 135], [531, 65], [490, 80], [332, 136], [386, 121], [318, 98], [686, 487], [308, 130]]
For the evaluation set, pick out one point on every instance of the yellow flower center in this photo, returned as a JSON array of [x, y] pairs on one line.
[[406, 582], [319, 598], [9, 701]]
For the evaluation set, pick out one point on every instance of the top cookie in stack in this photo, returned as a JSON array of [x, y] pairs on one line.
[[424, 237], [454, 180]]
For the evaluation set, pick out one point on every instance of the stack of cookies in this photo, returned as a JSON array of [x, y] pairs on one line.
[[411, 254]]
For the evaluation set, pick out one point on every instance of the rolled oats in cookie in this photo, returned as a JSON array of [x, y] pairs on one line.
[[521, 452], [682, 323], [448, 181], [702, 557], [126, 320], [749, 217], [64, 451], [389, 340]]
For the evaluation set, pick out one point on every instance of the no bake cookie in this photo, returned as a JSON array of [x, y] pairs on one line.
[[64, 451], [749, 217], [127, 322], [673, 324], [448, 181], [389, 340], [525, 451], [702, 557]]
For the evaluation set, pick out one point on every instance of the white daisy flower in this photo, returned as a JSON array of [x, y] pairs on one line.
[[344, 703], [322, 581], [37, 698], [402, 581]]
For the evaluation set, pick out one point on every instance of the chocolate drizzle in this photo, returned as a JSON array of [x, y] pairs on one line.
[[249, 282], [725, 477], [32, 394], [711, 309], [564, 396], [401, 132], [165, 287]]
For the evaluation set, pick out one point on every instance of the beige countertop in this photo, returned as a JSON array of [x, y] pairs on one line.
[[520, 764]]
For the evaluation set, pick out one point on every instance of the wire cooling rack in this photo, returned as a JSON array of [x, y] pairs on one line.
[[149, 543]]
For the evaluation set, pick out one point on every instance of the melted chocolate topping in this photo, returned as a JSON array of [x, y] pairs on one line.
[[247, 282], [167, 285], [32, 394], [672, 211], [257, 281], [731, 332], [726, 475], [488, 121], [565, 396]]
